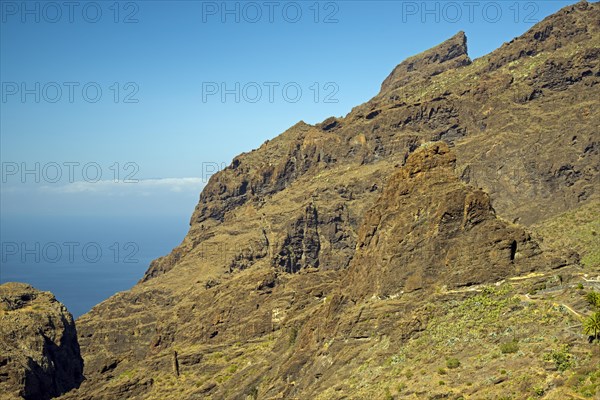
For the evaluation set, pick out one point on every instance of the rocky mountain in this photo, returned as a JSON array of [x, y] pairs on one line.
[[436, 242], [39, 353]]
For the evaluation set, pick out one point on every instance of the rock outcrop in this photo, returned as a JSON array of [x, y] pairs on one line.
[[39, 353], [448, 55], [428, 229]]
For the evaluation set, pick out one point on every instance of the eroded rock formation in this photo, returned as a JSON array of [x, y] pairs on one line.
[[39, 352]]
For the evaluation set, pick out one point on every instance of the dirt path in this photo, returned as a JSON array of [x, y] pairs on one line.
[[525, 297]]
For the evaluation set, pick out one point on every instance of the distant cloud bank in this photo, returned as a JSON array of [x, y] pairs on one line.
[[145, 187]]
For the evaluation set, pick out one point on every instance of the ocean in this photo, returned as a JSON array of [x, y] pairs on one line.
[[84, 260]]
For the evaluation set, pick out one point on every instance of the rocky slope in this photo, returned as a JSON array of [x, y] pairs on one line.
[[349, 259], [428, 228], [39, 352]]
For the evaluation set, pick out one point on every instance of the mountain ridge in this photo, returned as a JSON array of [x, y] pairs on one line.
[[271, 255], [449, 54], [357, 257]]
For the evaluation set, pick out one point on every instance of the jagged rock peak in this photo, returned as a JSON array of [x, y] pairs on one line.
[[447, 55]]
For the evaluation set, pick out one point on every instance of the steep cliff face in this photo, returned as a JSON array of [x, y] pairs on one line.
[[429, 229], [339, 257], [39, 352], [499, 111]]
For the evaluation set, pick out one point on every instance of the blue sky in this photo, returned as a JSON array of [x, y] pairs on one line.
[[158, 65]]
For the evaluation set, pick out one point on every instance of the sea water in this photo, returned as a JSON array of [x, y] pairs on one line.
[[84, 260]]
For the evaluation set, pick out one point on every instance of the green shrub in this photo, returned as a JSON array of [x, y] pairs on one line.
[[593, 298], [232, 369], [591, 325], [561, 357], [388, 394], [509, 347], [452, 363]]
